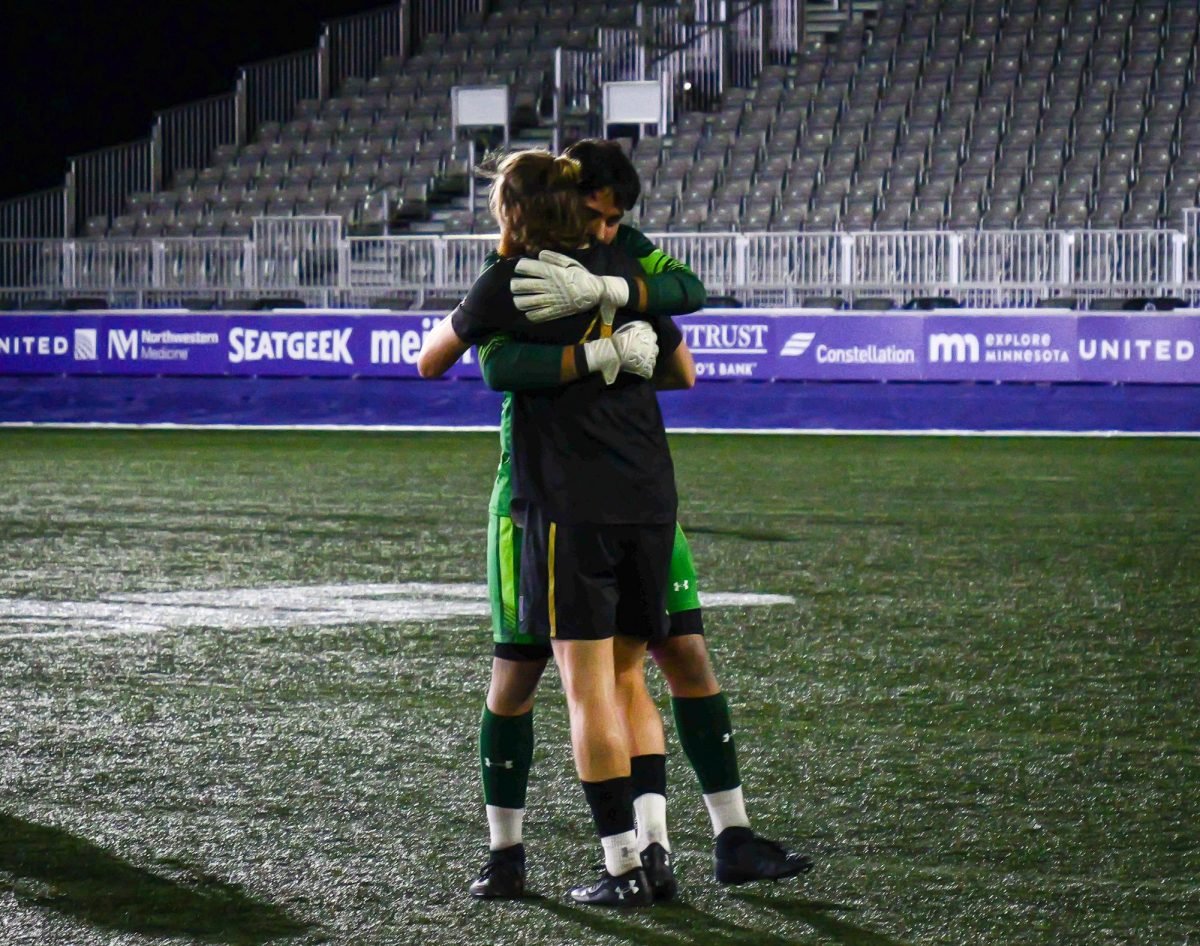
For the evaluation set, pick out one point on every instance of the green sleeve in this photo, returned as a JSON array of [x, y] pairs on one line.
[[519, 366], [671, 288]]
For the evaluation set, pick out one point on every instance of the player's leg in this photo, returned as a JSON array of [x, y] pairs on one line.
[[647, 765], [505, 757], [598, 742], [700, 709], [570, 593], [506, 724], [642, 578], [705, 727]]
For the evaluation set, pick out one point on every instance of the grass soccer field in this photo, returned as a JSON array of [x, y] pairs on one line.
[[241, 675]]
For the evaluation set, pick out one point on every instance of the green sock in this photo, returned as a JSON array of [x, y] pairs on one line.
[[505, 756], [706, 734]]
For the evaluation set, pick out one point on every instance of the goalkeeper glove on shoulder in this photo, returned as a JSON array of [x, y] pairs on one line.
[[554, 286]]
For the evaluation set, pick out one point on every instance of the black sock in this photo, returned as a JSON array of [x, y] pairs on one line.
[[611, 802], [648, 773]]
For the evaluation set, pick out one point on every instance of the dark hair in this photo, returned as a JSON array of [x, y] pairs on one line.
[[605, 164], [536, 200]]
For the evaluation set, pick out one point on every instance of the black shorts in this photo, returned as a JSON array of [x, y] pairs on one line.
[[590, 582], [682, 623]]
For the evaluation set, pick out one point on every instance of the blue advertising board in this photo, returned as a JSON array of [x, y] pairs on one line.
[[960, 370], [728, 345]]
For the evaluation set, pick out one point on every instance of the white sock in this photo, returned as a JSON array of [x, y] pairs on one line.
[[504, 825], [727, 810], [650, 812], [621, 853]]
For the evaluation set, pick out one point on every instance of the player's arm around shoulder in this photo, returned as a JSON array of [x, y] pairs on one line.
[[440, 349], [472, 321], [666, 285]]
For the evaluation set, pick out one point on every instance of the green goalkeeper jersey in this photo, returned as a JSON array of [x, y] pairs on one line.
[[671, 289]]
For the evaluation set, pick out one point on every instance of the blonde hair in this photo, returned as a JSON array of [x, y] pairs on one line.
[[535, 199]]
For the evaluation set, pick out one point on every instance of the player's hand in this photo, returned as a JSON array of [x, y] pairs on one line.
[[637, 348], [556, 286], [601, 356]]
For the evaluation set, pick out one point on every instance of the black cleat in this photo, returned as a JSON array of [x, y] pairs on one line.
[[742, 856], [631, 889], [656, 862], [503, 876]]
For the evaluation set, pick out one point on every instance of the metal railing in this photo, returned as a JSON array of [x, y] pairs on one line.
[[788, 270], [1027, 265], [312, 258], [785, 29], [441, 16], [1191, 233], [697, 50], [1137, 259], [186, 135], [357, 44], [576, 102], [101, 181], [300, 254], [622, 55], [47, 213], [33, 267], [579, 77], [707, 46], [273, 87], [889, 262]]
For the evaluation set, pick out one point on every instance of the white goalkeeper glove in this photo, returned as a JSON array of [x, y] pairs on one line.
[[632, 347], [601, 356], [637, 348], [557, 286]]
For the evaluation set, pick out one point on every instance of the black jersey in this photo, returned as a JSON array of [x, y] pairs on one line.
[[585, 451]]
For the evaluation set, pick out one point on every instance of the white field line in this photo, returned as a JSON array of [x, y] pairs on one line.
[[246, 608]]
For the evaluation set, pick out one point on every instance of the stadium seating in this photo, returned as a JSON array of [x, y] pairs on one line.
[[1026, 114], [931, 114]]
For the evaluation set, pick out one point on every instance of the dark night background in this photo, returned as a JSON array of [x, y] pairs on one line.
[[79, 76]]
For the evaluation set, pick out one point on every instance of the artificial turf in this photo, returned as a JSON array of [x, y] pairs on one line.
[[979, 714]]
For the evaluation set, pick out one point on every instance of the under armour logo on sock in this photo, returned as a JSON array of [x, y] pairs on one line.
[[727, 737], [506, 764]]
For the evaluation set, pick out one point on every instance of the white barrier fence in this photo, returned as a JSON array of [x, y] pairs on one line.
[[311, 259]]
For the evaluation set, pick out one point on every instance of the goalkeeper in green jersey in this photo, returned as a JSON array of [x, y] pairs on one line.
[[552, 287]]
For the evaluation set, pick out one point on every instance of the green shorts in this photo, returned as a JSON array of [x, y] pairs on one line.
[[504, 582]]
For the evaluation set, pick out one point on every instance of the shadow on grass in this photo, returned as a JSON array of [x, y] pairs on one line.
[[816, 914], [59, 871], [665, 924]]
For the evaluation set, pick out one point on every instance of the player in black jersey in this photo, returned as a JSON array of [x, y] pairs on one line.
[[593, 484]]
